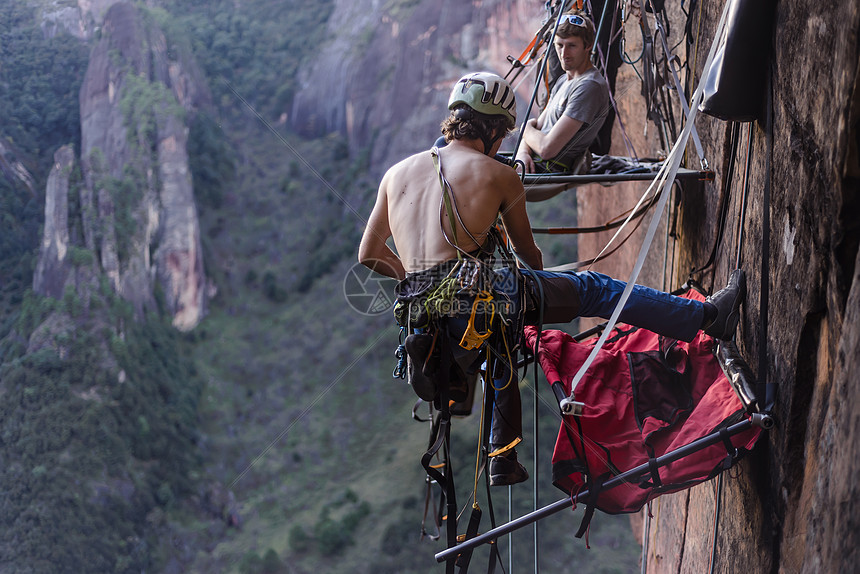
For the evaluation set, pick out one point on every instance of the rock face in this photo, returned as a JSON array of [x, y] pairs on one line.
[[137, 208], [13, 169], [179, 258], [51, 270], [81, 21], [793, 505], [134, 98]]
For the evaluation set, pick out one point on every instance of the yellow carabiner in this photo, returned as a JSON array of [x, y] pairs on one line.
[[472, 339]]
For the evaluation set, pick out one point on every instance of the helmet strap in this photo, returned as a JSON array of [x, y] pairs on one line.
[[468, 114], [488, 143]]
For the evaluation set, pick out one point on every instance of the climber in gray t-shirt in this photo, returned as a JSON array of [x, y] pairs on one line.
[[578, 104]]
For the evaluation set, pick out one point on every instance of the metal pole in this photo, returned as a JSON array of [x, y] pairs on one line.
[[632, 475], [536, 471], [719, 495], [511, 535], [543, 178], [646, 532]]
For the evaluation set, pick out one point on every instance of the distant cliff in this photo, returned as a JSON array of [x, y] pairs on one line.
[[80, 20], [99, 419], [136, 210], [383, 75]]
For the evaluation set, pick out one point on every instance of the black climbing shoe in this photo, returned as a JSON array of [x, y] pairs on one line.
[[728, 301], [505, 469]]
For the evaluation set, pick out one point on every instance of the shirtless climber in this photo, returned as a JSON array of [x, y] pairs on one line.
[[411, 208]]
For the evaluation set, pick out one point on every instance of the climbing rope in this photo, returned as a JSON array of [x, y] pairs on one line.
[[718, 495], [603, 66], [613, 223], [725, 194]]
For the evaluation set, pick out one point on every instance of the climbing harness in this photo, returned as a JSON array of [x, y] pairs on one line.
[[447, 346]]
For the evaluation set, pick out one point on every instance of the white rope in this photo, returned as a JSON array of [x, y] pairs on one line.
[[666, 177]]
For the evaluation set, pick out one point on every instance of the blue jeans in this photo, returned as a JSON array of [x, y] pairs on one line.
[[657, 311], [572, 294]]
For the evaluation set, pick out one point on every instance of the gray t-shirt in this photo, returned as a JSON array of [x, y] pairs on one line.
[[584, 98]]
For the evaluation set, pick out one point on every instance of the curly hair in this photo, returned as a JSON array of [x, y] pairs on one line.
[[466, 123]]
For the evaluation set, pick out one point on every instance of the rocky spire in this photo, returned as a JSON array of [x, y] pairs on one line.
[[137, 210], [51, 270]]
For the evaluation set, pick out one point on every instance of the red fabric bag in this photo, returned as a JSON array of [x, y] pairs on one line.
[[644, 396]]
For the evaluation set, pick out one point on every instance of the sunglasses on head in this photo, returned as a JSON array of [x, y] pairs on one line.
[[574, 19]]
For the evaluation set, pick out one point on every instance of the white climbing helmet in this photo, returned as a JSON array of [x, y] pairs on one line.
[[486, 93]]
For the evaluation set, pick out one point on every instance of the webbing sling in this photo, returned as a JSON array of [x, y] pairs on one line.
[[591, 503], [443, 439], [450, 205], [446, 199], [682, 96], [464, 559]]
